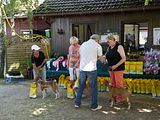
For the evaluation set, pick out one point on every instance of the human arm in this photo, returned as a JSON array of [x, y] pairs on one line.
[[42, 57], [101, 57], [69, 57], [33, 63], [42, 64], [123, 57], [78, 57], [34, 67], [77, 63]]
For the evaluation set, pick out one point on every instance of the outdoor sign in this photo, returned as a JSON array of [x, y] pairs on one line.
[[104, 37]]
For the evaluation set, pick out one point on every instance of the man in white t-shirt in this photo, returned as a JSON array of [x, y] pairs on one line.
[[90, 51]]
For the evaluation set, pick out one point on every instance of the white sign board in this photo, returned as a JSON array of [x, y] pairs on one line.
[[103, 38]]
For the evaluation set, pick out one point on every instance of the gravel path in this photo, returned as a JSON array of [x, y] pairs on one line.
[[16, 105]]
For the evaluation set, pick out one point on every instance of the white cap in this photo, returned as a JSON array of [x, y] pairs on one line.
[[35, 47]]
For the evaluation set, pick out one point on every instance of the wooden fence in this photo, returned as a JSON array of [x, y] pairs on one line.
[[18, 53]]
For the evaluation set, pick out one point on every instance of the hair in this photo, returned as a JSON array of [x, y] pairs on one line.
[[95, 36], [73, 40], [111, 37]]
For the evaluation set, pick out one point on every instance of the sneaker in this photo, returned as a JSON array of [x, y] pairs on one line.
[[97, 108], [76, 106], [57, 95]]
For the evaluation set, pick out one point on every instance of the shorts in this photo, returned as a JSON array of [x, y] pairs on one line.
[[41, 73]]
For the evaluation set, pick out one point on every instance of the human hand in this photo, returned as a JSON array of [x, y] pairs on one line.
[[36, 78], [71, 83], [39, 68], [76, 65], [114, 67], [102, 59]]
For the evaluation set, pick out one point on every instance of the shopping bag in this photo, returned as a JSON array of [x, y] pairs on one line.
[[70, 91], [33, 90]]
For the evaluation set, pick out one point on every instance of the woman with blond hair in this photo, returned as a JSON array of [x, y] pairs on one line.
[[116, 58], [73, 59]]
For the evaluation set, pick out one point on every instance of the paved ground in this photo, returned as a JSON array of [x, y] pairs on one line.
[[16, 105]]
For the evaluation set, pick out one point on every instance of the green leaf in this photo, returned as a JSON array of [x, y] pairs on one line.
[[147, 2]]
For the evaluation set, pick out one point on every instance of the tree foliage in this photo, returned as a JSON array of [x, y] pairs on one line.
[[18, 7], [147, 2]]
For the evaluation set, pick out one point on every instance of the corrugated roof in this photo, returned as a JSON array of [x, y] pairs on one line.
[[69, 7]]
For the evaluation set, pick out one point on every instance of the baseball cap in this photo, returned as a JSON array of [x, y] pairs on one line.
[[35, 47]]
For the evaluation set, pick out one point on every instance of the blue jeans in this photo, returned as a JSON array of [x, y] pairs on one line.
[[92, 76]]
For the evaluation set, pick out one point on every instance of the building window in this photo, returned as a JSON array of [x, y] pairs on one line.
[[143, 35], [26, 32]]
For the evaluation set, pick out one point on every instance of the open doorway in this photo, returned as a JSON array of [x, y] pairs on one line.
[[83, 31], [143, 35], [135, 36]]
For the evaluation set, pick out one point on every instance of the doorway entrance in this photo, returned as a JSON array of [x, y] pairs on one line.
[[83, 31], [134, 36]]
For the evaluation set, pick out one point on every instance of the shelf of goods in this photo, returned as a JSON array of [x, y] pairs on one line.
[[135, 85]]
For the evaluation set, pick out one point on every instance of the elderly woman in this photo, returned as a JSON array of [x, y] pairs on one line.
[[73, 58], [116, 57]]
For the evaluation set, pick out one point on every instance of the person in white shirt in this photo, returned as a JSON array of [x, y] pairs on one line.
[[90, 52]]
